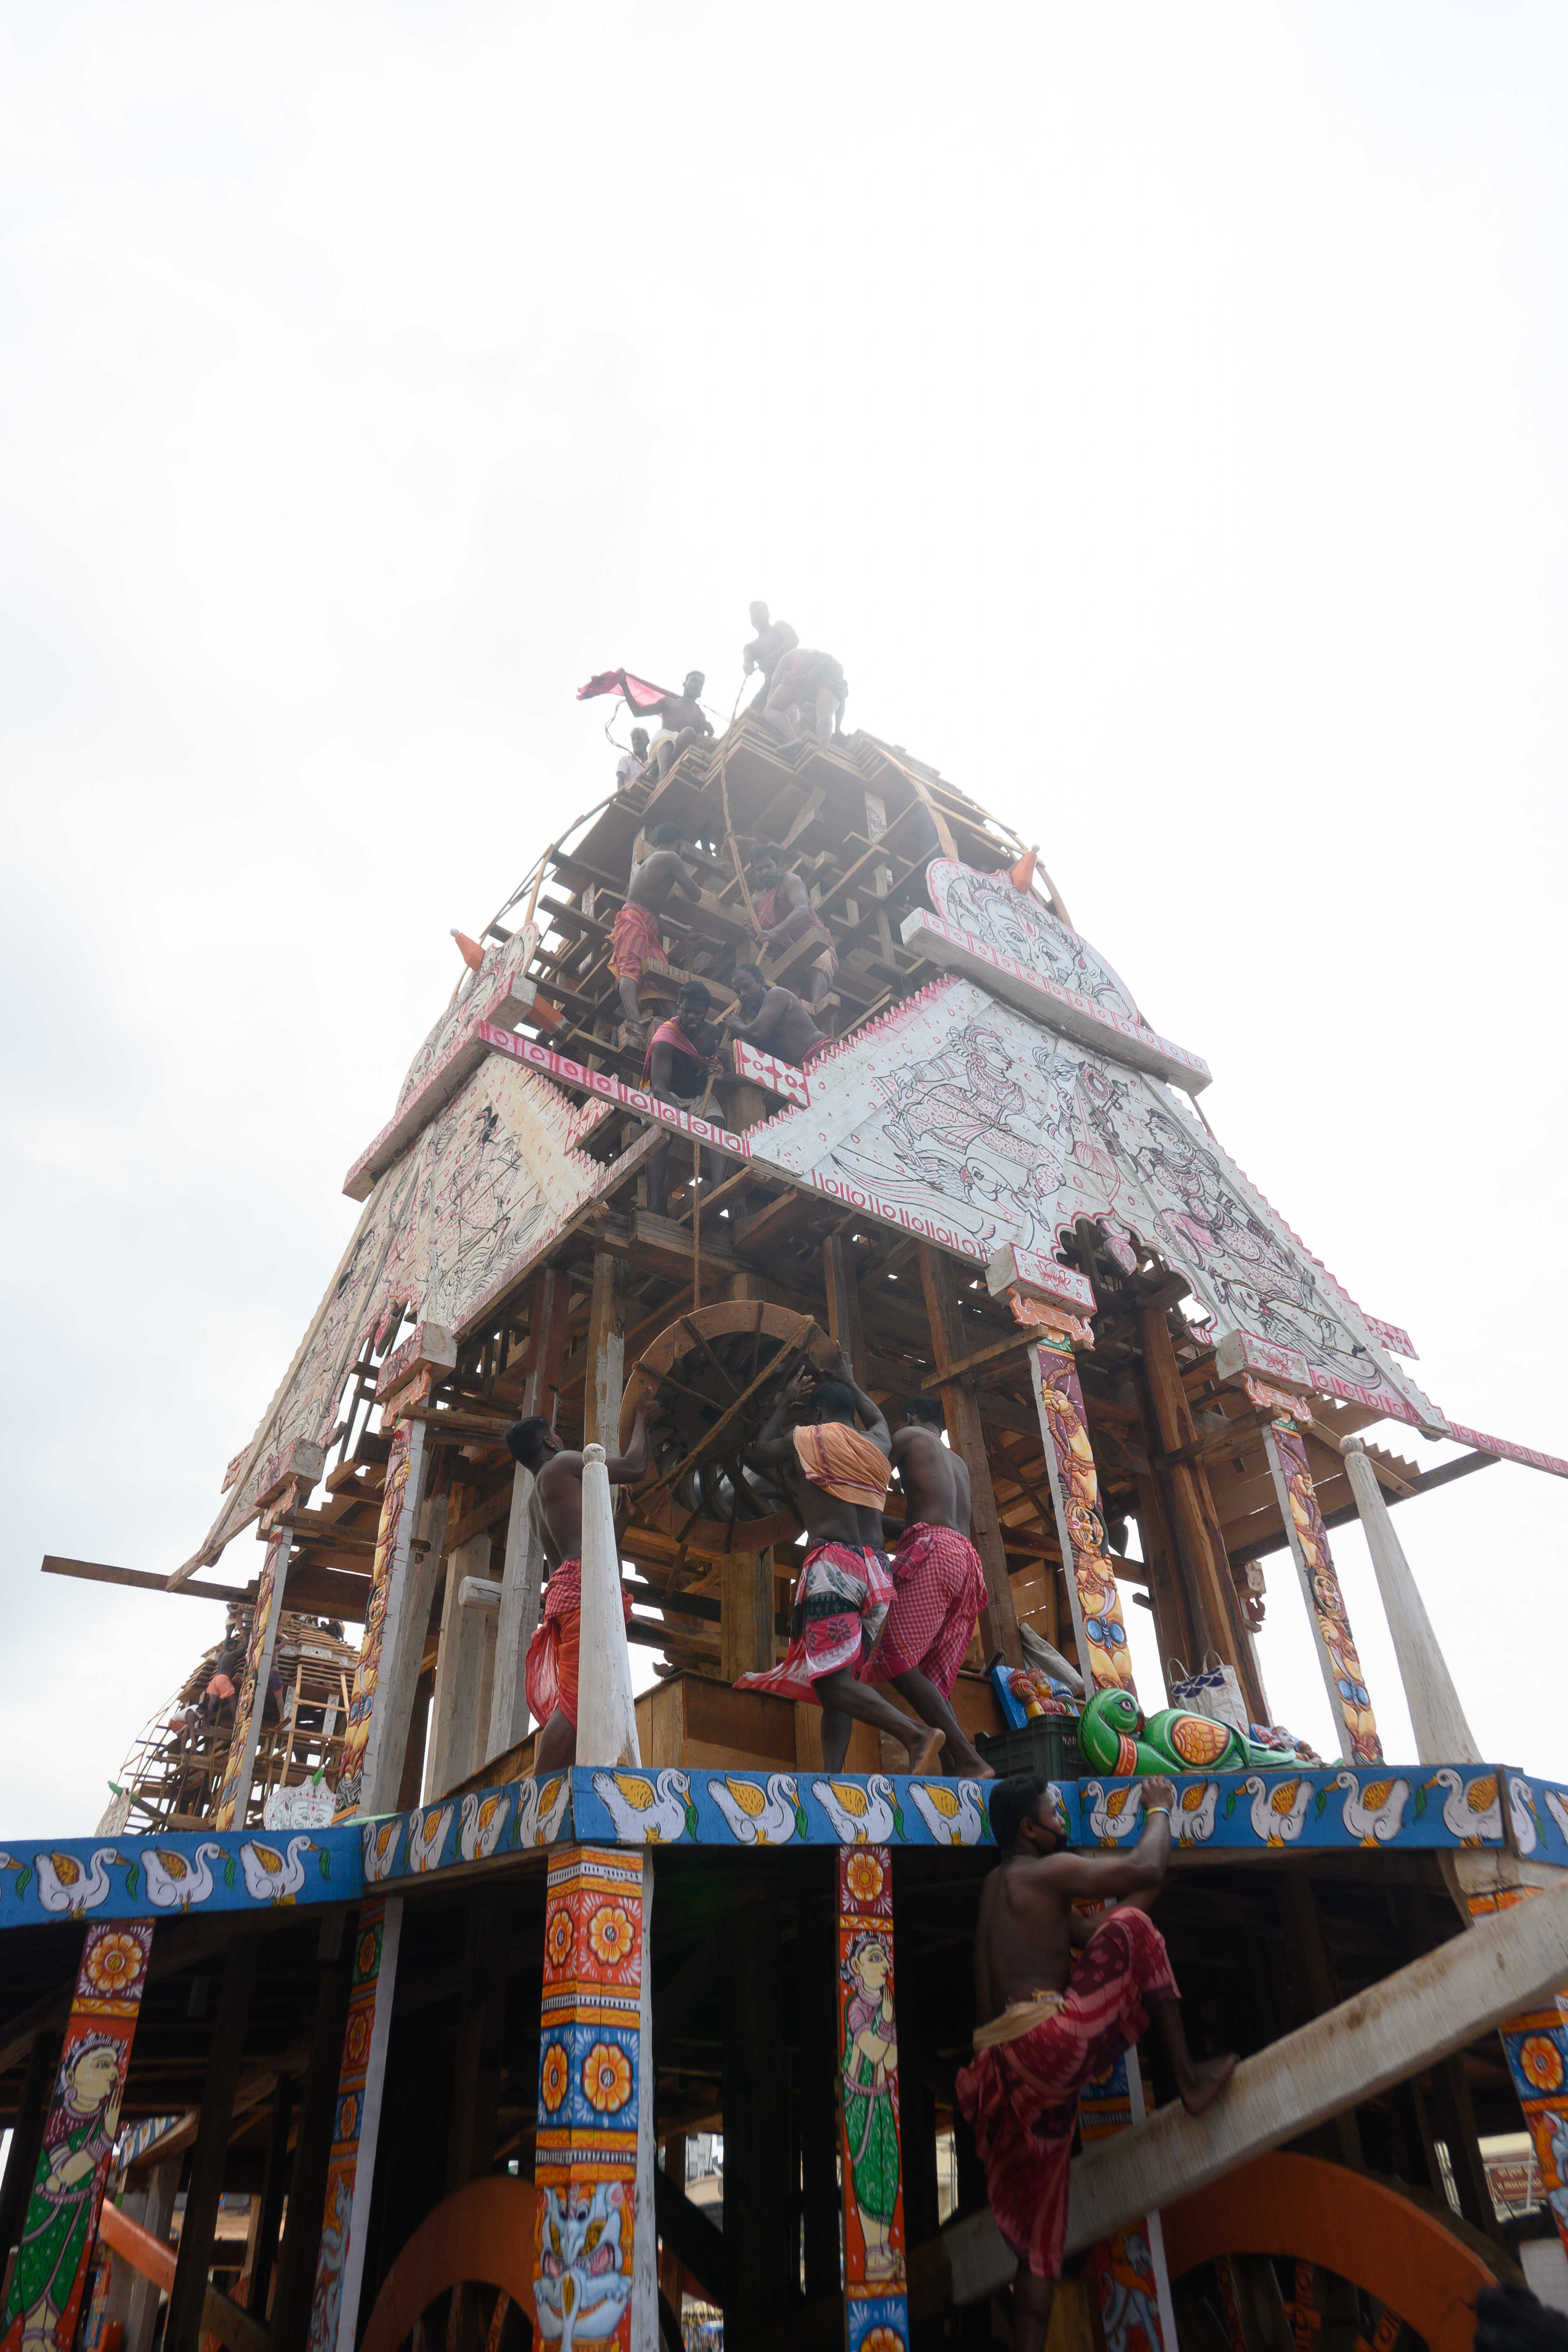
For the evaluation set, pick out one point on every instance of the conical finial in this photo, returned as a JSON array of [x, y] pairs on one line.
[[1023, 874], [473, 955]]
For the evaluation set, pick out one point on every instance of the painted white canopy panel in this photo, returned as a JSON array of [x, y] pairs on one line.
[[1013, 922], [957, 1112]]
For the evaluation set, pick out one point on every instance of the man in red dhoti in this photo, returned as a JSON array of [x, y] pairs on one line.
[[1042, 2035], [939, 1586], [555, 1507], [635, 937], [834, 1475]]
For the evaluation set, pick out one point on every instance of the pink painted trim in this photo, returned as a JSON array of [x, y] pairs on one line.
[[767, 1070], [1390, 1336], [427, 1345], [598, 1082]]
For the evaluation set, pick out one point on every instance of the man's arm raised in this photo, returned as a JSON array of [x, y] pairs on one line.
[[1135, 1876], [871, 1414], [625, 1469], [770, 1446]]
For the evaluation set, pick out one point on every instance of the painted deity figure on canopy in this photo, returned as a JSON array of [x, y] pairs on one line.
[[79, 2142], [870, 2063]]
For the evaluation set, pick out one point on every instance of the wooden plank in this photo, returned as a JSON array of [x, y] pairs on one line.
[[183, 2329], [1010, 1345], [94, 1571]]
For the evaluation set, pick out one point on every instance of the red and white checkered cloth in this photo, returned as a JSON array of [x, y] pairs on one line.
[[939, 1591]]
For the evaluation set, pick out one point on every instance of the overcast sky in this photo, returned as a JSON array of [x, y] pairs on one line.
[[1158, 410]]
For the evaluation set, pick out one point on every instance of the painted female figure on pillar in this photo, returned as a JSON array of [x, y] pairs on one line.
[[77, 2143], [870, 2063]]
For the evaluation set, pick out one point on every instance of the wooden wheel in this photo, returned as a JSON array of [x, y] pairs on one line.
[[713, 1372], [1331, 2226], [464, 2282]]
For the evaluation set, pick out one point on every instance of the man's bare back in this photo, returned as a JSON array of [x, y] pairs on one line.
[[935, 1480], [556, 1502], [775, 1019], [661, 871]]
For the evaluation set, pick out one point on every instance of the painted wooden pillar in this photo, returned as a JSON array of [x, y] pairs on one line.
[[1104, 1659], [523, 1568], [1337, 1653], [870, 2146], [351, 2170], [594, 2154], [606, 1716], [233, 1798], [58, 2232], [365, 1763], [1135, 2307], [1443, 1735]]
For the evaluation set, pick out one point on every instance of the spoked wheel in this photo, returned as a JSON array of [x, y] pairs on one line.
[[714, 1373], [464, 2282]]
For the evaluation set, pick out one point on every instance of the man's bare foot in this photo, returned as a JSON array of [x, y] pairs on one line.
[[923, 1753], [1208, 2079], [982, 1772]]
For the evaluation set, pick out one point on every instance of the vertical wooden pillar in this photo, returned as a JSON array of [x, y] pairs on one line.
[[522, 1569], [593, 2153], [157, 2215], [966, 1431], [756, 2130], [746, 1626], [1310, 1960], [183, 2327], [606, 1353], [871, 2149], [476, 2067], [46, 2282], [274, 2180], [26, 2135], [370, 1757], [351, 2165], [1175, 1629], [233, 1798], [1326, 1612], [844, 1301], [1104, 1659], [312, 2159], [1132, 2279], [1194, 1520], [816, 1930], [455, 1731], [1443, 1734]]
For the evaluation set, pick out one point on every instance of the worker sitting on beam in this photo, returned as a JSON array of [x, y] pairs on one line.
[[773, 1018], [678, 1067], [783, 914]]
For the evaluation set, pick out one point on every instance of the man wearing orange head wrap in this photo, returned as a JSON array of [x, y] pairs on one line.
[[837, 1478]]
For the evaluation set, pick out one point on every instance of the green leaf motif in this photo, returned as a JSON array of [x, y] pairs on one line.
[[131, 1880], [1322, 1799], [23, 1876], [1230, 1797], [229, 1872], [325, 1860], [1420, 1798]]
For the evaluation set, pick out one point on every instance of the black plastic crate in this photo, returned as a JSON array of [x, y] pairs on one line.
[[1048, 1746]]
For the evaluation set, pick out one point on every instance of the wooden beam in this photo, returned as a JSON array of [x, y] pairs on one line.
[[96, 1571], [184, 2329], [705, 2251], [1441, 1476]]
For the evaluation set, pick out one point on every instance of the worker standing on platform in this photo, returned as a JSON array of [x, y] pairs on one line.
[[633, 763], [682, 721], [808, 680], [1040, 2036], [784, 914], [833, 1473], [635, 937], [767, 649], [773, 1018], [681, 1058], [939, 1585], [556, 1505]]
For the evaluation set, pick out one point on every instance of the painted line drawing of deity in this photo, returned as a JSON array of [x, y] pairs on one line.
[[1014, 923], [870, 2065]]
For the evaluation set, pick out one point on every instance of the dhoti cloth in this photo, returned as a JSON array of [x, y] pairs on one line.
[[550, 1673], [635, 942], [1020, 2095], [939, 1591], [840, 1604]]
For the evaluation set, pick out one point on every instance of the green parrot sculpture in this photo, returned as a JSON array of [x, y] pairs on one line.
[[1115, 1736]]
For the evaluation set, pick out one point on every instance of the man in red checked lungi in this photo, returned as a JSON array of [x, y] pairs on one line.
[[1042, 2035], [556, 1508], [939, 1586], [635, 937], [834, 1474]]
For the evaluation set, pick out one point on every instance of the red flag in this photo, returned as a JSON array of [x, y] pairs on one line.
[[637, 690]]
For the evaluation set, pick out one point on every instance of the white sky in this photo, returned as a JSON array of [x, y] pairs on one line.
[[1160, 411]]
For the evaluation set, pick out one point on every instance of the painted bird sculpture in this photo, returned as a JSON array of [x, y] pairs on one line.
[[1115, 1736]]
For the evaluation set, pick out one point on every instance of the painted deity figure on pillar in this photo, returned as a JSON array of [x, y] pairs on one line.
[[870, 2063]]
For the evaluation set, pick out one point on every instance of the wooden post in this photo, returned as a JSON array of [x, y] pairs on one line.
[[1104, 1659], [455, 1731], [1304, 1942], [594, 2151], [816, 1934], [607, 1718], [157, 2217], [1129, 2265], [274, 2180], [351, 2168], [234, 1799], [522, 1569], [88, 2085], [1194, 1520], [966, 1433], [1326, 1612], [746, 1626], [606, 1353], [312, 2159], [870, 2146], [370, 1759], [476, 2066], [1443, 1735], [756, 2128], [26, 2135], [183, 2327], [844, 1301], [1174, 1630]]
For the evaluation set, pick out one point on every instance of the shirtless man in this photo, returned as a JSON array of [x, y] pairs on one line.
[[681, 1056], [681, 719], [832, 1474], [773, 1018], [773, 641], [634, 939], [556, 1508], [785, 913], [1040, 2037], [939, 1585], [805, 679]]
